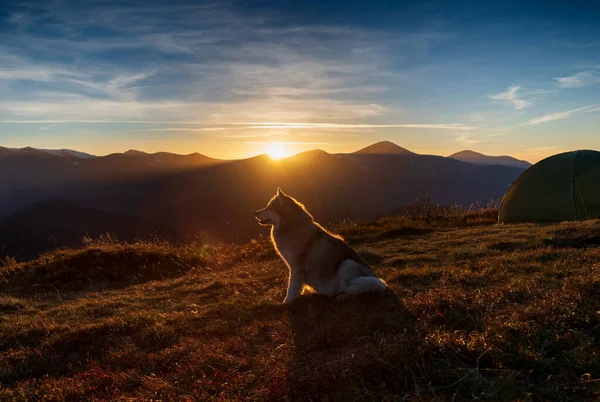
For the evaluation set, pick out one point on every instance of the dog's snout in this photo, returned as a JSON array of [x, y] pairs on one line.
[[256, 213]]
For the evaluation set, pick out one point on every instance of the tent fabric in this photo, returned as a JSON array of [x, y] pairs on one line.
[[563, 187]]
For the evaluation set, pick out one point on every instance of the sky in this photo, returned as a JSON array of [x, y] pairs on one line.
[[230, 78]]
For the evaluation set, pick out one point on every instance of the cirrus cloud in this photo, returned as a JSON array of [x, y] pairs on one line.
[[512, 97], [582, 79], [563, 115]]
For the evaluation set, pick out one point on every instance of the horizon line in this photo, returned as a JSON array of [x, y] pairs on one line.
[[257, 155]]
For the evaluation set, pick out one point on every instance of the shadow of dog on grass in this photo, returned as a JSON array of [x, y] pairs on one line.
[[336, 341]]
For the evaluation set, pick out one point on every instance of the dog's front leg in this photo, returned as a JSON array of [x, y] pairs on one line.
[[294, 286]]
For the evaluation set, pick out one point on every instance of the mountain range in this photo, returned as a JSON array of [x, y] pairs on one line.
[[181, 196], [69, 153], [481, 159]]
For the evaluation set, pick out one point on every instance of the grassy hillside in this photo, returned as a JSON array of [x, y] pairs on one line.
[[475, 311]]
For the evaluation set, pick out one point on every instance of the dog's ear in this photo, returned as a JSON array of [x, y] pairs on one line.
[[280, 196]]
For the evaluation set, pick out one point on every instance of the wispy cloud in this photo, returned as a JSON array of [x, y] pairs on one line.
[[308, 126], [198, 125], [206, 129], [89, 110], [289, 142], [114, 83], [213, 61], [582, 79], [512, 97], [268, 134], [467, 139], [15, 68], [564, 115], [108, 121], [305, 126]]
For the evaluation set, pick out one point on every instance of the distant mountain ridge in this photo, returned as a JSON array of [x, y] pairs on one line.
[[481, 159], [378, 148], [68, 153]]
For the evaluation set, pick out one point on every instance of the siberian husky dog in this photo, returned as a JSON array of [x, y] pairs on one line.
[[314, 256]]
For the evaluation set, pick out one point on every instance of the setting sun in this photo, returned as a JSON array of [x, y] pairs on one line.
[[276, 150]]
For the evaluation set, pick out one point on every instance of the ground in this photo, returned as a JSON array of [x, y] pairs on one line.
[[475, 310]]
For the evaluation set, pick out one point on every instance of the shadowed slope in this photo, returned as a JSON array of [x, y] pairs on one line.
[[51, 224]]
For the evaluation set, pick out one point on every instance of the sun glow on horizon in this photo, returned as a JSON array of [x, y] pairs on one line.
[[276, 150]]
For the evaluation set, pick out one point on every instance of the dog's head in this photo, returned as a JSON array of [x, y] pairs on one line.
[[281, 207], [272, 213]]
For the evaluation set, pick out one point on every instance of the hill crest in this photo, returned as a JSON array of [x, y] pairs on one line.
[[482, 159], [385, 148]]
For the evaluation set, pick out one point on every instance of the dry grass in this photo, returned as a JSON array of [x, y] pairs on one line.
[[475, 311]]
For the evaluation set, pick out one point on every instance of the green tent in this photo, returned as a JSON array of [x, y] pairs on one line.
[[563, 187]]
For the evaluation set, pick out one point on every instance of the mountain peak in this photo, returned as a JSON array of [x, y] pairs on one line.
[[481, 159], [384, 147], [465, 153], [135, 152]]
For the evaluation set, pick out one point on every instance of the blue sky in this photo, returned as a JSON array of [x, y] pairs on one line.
[[227, 78]]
